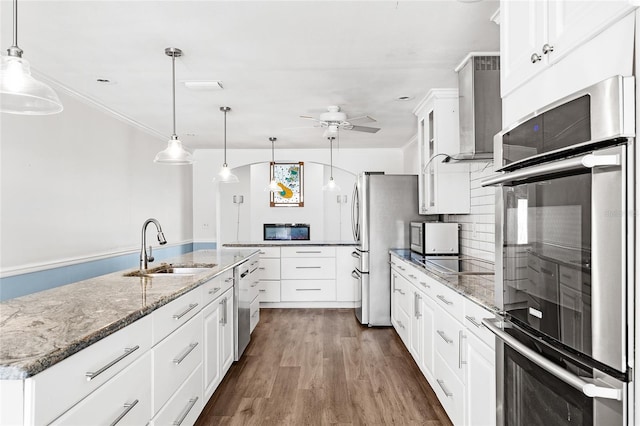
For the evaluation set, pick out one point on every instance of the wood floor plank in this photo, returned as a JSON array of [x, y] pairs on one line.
[[321, 367]]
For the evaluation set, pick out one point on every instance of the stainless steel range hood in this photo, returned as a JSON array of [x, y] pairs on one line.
[[480, 105]]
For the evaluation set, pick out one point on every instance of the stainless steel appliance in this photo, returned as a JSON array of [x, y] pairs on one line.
[[480, 105], [383, 206], [242, 317], [563, 260], [434, 237]]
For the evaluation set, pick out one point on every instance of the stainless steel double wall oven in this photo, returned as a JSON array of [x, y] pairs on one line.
[[564, 253]]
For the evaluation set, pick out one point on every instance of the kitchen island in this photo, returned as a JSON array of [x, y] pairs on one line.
[[81, 345]]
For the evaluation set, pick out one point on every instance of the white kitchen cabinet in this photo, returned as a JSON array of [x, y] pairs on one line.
[[442, 187], [125, 399], [227, 342], [174, 359], [480, 382], [535, 34], [218, 348], [269, 287], [84, 372], [185, 405], [416, 328], [427, 313], [308, 274]]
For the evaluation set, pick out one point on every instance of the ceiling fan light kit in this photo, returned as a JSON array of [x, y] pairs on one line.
[[175, 154], [335, 119], [20, 93], [225, 175]]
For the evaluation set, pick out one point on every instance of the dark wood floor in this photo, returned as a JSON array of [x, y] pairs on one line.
[[320, 366]]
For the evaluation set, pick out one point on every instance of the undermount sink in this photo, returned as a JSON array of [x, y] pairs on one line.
[[172, 270]]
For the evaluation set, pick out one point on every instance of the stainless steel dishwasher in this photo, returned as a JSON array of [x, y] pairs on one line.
[[242, 318]]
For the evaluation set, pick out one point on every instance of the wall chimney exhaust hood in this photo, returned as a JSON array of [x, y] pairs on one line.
[[480, 105]]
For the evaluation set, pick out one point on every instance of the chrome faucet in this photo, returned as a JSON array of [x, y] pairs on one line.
[[144, 257]]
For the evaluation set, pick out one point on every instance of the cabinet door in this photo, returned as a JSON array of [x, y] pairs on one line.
[[416, 331], [424, 157], [522, 34], [480, 390], [428, 331], [226, 343], [572, 23], [212, 317]]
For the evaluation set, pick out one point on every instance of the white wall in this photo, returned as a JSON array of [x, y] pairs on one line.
[[208, 164], [411, 155], [80, 184]]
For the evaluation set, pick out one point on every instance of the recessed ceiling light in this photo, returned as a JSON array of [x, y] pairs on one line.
[[189, 134], [404, 98], [203, 84], [105, 81]]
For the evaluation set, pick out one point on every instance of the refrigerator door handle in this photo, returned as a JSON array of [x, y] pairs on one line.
[[354, 213]]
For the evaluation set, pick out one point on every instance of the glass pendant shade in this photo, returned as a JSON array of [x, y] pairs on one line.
[[174, 154], [20, 93], [331, 185], [225, 175], [273, 186]]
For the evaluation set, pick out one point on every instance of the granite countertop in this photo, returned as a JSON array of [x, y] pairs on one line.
[[289, 243], [42, 329], [479, 288]]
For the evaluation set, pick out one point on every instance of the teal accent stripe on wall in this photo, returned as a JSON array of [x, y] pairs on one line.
[[21, 285]]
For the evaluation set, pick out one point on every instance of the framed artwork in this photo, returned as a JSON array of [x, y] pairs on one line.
[[290, 179]]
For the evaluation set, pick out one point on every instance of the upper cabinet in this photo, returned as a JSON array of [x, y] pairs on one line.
[[535, 34], [443, 188]]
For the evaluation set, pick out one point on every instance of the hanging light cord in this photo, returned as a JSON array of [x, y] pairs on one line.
[[14, 50], [331, 155], [225, 138], [173, 91]]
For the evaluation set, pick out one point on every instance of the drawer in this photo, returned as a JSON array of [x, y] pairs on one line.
[[403, 293], [473, 316], [402, 324], [308, 290], [451, 301], [448, 341], [175, 358], [269, 269], [254, 286], [269, 291], [309, 268], [125, 399], [254, 312], [175, 313], [308, 252], [213, 288], [267, 252], [185, 405], [449, 390], [57, 388]]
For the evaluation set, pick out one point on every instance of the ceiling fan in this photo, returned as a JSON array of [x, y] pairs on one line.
[[334, 120]]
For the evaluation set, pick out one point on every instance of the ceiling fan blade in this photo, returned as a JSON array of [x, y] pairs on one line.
[[309, 118], [364, 129], [362, 119]]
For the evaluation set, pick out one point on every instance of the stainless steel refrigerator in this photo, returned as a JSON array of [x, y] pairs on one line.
[[383, 206]]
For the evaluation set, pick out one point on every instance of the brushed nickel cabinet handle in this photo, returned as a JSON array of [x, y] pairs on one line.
[[535, 58], [127, 407], [308, 289], [185, 412], [460, 346], [473, 321], [90, 375], [186, 311], [308, 251], [308, 267], [446, 302], [214, 290], [444, 337], [187, 351], [547, 48], [424, 284], [444, 389]]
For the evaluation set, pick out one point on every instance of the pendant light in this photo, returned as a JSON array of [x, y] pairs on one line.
[[225, 175], [273, 185], [20, 93], [174, 154], [331, 185]]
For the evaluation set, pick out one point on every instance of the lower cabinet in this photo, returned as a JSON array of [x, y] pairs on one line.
[[443, 331], [124, 400], [160, 370]]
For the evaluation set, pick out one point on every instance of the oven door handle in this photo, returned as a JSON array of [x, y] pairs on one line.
[[588, 161], [589, 389]]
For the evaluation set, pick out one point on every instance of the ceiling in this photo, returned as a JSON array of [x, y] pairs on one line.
[[277, 60]]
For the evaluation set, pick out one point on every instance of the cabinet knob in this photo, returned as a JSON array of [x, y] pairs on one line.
[[535, 58], [547, 48]]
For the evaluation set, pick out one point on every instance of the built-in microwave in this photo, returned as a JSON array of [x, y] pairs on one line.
[[434, 238]]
